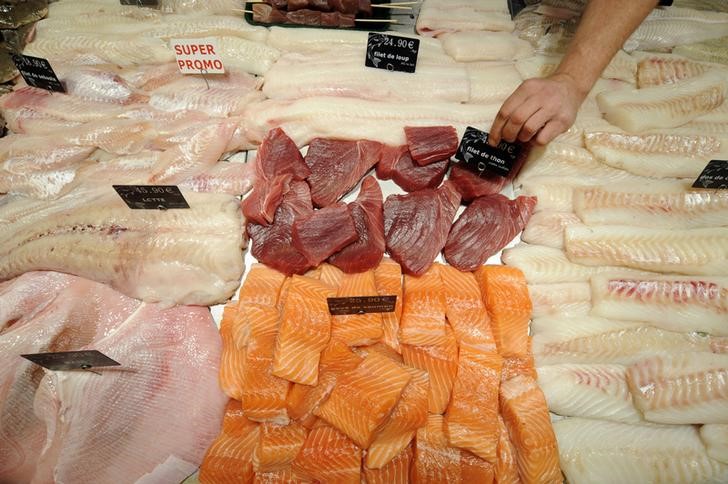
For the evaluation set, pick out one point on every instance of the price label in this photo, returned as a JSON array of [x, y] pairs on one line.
[[195, 56], [478, 156], [37, 72], [714, 176], [339, 306], [392, 53], [71, 360], [151, 197], [141, 3]]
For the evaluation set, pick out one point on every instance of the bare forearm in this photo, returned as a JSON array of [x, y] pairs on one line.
[[604, 27]]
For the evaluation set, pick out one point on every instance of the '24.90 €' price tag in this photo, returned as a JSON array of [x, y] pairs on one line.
[[392, 53]]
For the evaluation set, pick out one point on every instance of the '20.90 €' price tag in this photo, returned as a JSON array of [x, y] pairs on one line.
[[392, 53]]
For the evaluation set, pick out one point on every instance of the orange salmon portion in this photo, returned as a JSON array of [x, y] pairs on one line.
[[381, 349], [397, 471], [254, 320], [357, 329], [331, 275], [441, 364], [465, 309], [388, 279], [329, 456], [228, 460], [304, 331], [277, 446], [506, 467], [471, 421], [515, 365], [408, 415], [526, 416], [263, 395], [363, 398], [262, 286], [423, 315], [509, 307], [232, 358], [286, 476]]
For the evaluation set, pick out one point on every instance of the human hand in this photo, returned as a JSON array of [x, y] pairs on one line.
[[539, 110]]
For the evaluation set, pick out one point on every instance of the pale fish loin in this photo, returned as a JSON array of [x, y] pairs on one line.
[[692, 252], [485, 46], [689, 388], [714, 50], [597, 340], [589, 391], [622, 67], [491, 83], [671, 26], [355, 119], [715, 438], [637, 110], [547, 265], [566, 299], [602, 452], [547, 228], [669, 204], [553, 193], [246, 55], [438, 19], [205, 26], [659, 155], [658, 69], [189, 256]]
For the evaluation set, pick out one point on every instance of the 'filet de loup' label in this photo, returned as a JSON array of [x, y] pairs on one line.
[[714, 176], [475, 154], [392, 53], [37, 72], [151, 197], [198, 56]]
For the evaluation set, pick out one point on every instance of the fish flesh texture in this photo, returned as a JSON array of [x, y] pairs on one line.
[[405, 235], [397, 471], [412, 177], [666, 106], [232, 178], [214, 101], [59, 106], [337, 166], [554, 194], [388, 279], [655, 70], [485, 46], [692, 251], [715, 438], [323, 232], [622, 67], [470, 185], [204, 7], [437, 18], [591, 340], [656, 155], [547, 228], [486, 226], [388, 159], [709, 51], [491, 84], [599, 451], [180, 27], [548, 265], [101, 85], [246, 55], [277, 446], [25, 295], [366, 252], [660, 203], [667, 27], [431, 143], [674, 303], [588, 391], [93, 233], [328, 455], [358, 329], [567, 299], [423, 315], [689, 388], [355, 119]]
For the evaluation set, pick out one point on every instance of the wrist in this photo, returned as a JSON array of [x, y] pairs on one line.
[[577, 85]]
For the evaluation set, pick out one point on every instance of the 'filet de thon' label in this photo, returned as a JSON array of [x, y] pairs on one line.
[[198, 56], [714, 176], [475, 154]]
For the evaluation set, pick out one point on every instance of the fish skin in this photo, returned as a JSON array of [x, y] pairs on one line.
[[715, 438], [547, 228], [599, 451], [689, 388]]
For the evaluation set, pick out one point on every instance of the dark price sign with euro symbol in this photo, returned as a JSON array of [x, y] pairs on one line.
[[151, 197], [475, 154], [37, 72], [392, 53]]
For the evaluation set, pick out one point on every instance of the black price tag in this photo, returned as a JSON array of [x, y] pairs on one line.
[[478, 156], [151, 197], [141, 3], [339, 306], [714, 176], [37, 72], [71, 360], [392, 53]]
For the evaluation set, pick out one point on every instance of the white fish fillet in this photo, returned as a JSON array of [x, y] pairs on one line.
[[554, 194], [547, 265], [215, 102], [485, 46], [622, 67], [204, 7], [559, 340], [569, 299], [547, 228], [667, 106], [657, 155], [59, 106], [693, 251], [246, 55], [177, 27], [589, 391], [671, 26], [602, 452], [715, 438], [354, 119], [190, 256], [710, 51], [658, 69], [435, 20], [671, 302], [689, 388], [491, 83]]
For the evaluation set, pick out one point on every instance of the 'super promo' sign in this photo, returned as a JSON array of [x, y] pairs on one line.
[[195, 56]]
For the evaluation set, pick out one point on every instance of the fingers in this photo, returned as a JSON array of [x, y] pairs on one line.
[[550, 131], [513, 102]]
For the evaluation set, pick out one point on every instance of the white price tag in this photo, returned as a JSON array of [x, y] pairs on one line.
[[195, 56]]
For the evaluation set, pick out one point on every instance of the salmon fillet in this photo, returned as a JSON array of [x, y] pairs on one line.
[[423, 314], [262, 286], [329, 456], [357, 329], [228, 460], [471, 419], [253, 320], [364, 397], [397, 471], [526, 416], [277, 446], [304, 331], [441, 363], [515, 365], [388, 279], [506, 467], [263, 396], [286, 476], [331, 275], [232, 358], [509, 307]]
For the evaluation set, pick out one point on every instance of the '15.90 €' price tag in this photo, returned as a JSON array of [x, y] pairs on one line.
[[392, 53], [475, 154], [151, 197]]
